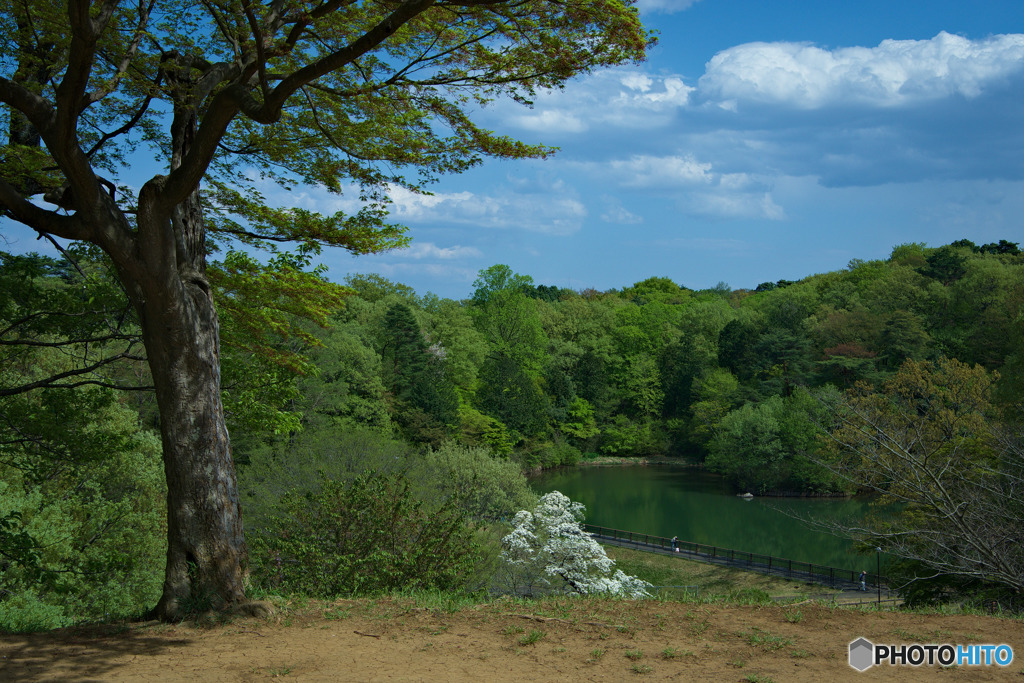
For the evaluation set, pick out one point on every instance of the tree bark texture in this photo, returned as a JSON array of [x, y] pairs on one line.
[[206, 552], [205, 544]]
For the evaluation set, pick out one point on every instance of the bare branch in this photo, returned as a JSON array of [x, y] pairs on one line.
[[54, 381]]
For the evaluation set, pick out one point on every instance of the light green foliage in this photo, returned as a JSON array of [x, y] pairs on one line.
[[364, 536], [486, 487], [715, 393], [451, 326], [268, 314], [371, 287], [86, 486], [657, 289], [498, 278], [511, 325], [762, 447], [338, 452], [642, 383], [626, 437], [909, 254], [483, 430], [579, 420], [543, 453], [347, 386]]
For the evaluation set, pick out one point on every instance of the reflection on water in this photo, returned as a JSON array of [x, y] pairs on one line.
[[694, 505]]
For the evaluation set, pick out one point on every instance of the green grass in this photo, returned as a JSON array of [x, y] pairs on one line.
[[532, 637], [765, 640], [713, 581]]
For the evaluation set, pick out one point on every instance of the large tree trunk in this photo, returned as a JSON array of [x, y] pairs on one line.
[[205, 545], [206, 552]]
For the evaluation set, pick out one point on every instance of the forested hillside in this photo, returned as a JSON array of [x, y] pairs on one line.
[[548, 376], [444, 402]]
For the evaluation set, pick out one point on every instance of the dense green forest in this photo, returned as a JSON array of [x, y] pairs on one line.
[[439, 405], [547, 376]]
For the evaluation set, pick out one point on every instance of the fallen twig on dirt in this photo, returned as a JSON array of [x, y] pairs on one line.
[[564, 621]]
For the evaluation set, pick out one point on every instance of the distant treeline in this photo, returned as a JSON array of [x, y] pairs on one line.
[[548, 375]]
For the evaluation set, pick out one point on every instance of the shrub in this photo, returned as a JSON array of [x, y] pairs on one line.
[[366, 536], [548, 550], [488, 488], [82, 512]]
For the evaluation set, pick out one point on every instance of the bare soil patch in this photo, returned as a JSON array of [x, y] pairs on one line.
[[555, 639]]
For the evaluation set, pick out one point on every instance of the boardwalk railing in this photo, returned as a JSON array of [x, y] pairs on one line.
[[766, 564]]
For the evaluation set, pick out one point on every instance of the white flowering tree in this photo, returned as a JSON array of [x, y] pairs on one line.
[[548, 551]]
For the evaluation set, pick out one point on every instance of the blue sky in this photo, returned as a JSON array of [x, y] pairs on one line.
[[760, 141]]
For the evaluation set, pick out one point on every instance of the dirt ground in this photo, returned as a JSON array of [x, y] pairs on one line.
[[557, 639]]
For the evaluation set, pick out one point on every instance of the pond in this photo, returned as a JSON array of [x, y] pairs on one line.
[[698, 506]]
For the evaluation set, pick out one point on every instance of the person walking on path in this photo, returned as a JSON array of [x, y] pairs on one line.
[[675, 544], [863, 580]]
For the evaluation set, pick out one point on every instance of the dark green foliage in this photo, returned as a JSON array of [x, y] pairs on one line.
[[677, 366], [903, 336], [736, 344], [425, 403], [1001, 247], [404, 352], [545, 292], [511, 395], [946, 264], [364, 536], [17, 547]]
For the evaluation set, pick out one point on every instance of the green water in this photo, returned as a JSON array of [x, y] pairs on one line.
[[697, 506]]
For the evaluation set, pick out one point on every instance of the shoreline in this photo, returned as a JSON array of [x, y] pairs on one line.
[[612, 460], [620, 461]]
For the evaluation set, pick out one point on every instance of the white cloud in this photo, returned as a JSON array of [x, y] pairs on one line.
[[637, 81], [429, 250], [616, 213], [696, 187], [735, 205], [555, 214], [618, 97], [896, 72], [550, 121], [670, 171], [664, 6]]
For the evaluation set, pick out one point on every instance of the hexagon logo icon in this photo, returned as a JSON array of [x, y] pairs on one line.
[[862, 654]]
